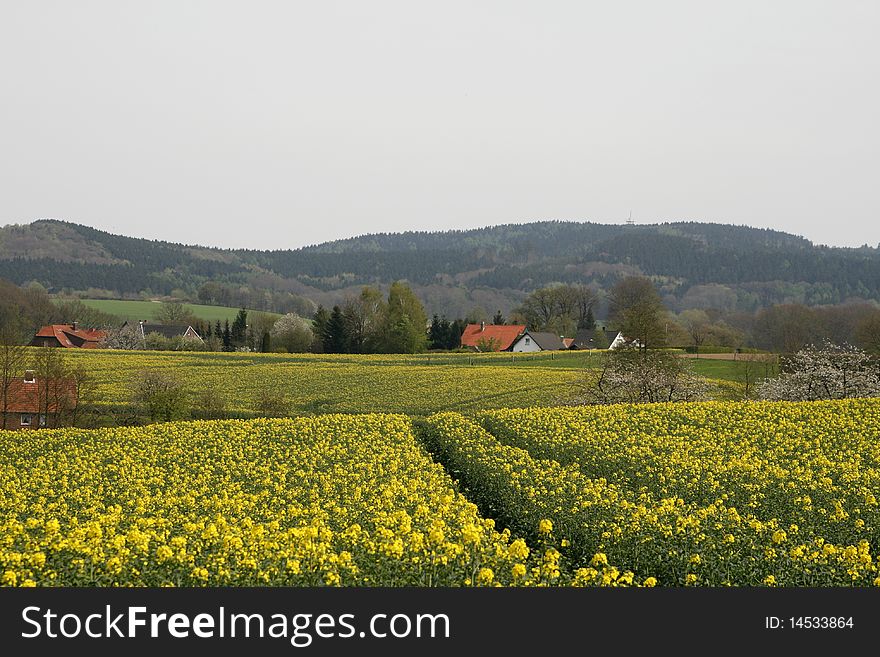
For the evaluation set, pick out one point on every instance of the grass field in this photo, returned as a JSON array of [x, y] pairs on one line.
[[730, 370], [137, 310]]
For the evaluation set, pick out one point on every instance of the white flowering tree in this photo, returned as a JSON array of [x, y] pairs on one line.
[[827, 372], [292, 333], [126, 337]]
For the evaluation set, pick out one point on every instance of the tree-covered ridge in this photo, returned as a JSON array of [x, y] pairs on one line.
[[755, 266]]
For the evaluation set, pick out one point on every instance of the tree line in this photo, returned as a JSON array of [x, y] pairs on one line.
[[368, 322]]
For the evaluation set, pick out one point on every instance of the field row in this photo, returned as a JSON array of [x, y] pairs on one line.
[[717, 494], [816, 465], [331, 500]]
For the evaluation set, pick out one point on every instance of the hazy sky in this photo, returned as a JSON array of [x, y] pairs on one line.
[[279, 124]]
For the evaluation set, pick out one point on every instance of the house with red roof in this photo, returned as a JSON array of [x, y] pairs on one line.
[[69, 336], [491, 337], [34, 403]]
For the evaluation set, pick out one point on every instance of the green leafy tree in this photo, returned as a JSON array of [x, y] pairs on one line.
[[488, 344], [405, 321], [561, 309], [600, 340]]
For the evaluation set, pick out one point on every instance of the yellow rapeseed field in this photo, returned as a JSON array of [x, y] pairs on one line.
[[329, 500], [334, 383], [717, 493]]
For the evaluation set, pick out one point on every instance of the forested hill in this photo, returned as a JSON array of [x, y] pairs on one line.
[[696, 264]]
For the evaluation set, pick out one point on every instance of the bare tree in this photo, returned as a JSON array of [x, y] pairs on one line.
[[868, 332], [696, 323], [362, 316], [12, 359], [211, 404], [539, 308], [174, 312], [83, 385], [272, 402], [559, 308], [637, 310], [586, 299], [160, 395], [54, 389], [630, 375]]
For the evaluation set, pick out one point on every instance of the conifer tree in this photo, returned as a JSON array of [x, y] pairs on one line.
[[227, 337]]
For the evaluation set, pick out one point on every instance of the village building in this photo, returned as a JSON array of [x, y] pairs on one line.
[[33, 403], [531, 341], [586, 339], [169, 330], [491, 337], [68, 336]]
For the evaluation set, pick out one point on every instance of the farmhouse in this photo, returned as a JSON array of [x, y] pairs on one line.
[[538, 341], [68, 336], [28, 402], [585, 339], [491, 337]]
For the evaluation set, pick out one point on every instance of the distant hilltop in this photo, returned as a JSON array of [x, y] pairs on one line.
[[732, 268]]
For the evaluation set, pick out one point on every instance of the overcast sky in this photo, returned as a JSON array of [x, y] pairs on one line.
[[280, 124]]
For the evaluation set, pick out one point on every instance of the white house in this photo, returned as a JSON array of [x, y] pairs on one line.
[[538, 341]]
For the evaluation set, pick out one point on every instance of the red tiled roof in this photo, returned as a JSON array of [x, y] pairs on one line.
[[25, 397], [68, 337], [503, 335], [568, 342]]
